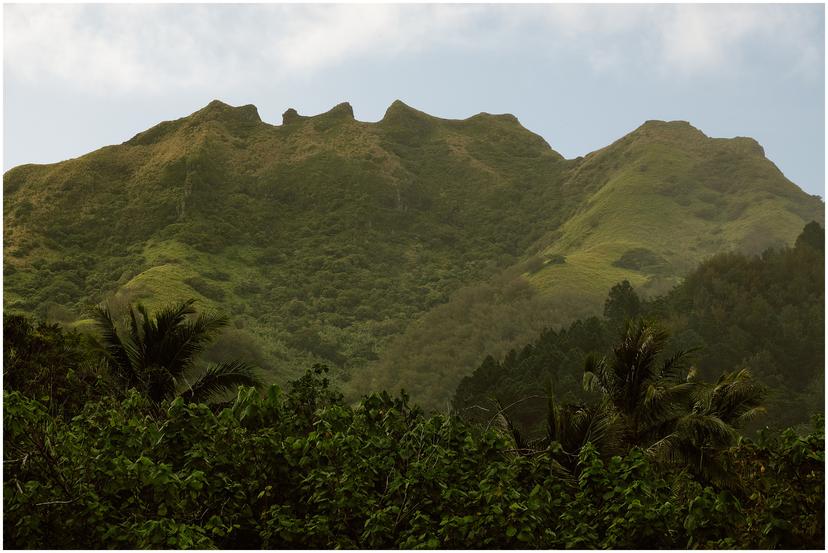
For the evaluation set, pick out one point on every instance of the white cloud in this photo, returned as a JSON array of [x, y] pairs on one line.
[[324, 35], [687, 39], [155, 48], [99, 49], [695, 36], [106, 49]]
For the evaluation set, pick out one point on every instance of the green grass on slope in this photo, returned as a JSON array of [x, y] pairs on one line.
[[681, 197]]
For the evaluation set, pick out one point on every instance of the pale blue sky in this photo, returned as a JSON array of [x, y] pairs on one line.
[[78, 78]]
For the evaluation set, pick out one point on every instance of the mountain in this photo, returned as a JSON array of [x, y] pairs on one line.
[[655, 204], [669, 197], [333, 240], [322, 236]]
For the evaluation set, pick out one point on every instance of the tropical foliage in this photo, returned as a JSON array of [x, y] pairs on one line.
[[643, 392], [56, 367], [653, 461], [300, 469], [157, 355], [652, 402]]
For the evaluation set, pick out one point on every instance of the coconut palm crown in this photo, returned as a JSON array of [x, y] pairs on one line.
[[156, 354], [646, 392], [711, 424]]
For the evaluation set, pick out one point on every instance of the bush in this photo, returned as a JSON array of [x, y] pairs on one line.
[[56, 367]]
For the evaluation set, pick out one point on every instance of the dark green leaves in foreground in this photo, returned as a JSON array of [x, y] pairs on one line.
[[301, 469]]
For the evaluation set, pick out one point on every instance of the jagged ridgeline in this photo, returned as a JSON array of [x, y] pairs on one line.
[[400, 252]]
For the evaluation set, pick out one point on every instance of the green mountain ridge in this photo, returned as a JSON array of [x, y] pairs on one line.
[[656, 203], [334, 240], [713, 194]]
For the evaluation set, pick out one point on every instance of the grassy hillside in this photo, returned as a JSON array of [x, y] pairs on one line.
[[670, 197], [408, 248]]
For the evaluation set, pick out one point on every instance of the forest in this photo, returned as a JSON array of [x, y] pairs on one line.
[[641, 429], [764, 312]]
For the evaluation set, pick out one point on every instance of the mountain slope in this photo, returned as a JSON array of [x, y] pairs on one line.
[[656, 203], [671, 197], [322, 236], [378, 247]]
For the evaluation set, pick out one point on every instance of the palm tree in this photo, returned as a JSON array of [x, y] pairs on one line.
[[157, 353], [735, 399], [647, 394], [569, 428], [711, 424]]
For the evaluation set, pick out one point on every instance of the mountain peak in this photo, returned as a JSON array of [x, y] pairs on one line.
[[508, 117], [216, 104], [684, 133], [219, 111], [399, 109], [749, 144], [399, 104], [235, 118], [343, 109], [291, 116], [656, 127]]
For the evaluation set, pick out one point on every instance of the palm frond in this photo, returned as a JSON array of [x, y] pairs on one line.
[[706, 430], [670, 449], [189, 338], [594, 370], [138, 339], [748, 416], [735, 395], [506, 425], [663, 401], [597, 424], [116, 350], [219, 378], [673, 366], [168, 318], [553, 419]]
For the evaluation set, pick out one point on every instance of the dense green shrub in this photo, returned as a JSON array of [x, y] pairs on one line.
[[57, 368], [205, 288]]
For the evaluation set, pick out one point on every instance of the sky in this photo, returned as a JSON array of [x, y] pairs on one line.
[[77, 78]]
